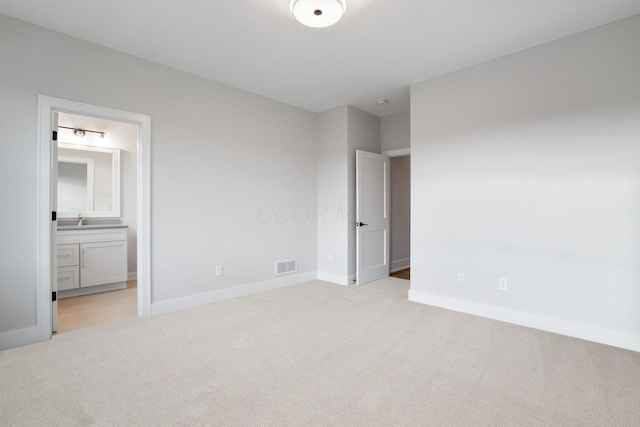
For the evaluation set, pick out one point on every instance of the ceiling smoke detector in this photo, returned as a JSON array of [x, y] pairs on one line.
[[318, 13], [382, 102]]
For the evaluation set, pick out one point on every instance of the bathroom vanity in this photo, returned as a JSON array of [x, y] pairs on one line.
[[91, 259]]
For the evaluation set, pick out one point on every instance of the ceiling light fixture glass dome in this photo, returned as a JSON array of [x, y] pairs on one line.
[[318, 13]]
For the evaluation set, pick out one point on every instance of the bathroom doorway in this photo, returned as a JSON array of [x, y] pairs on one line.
[[139, 215], [96, 198]]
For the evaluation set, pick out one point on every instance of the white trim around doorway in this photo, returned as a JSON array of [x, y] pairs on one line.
[[398, 153], [46, 106]]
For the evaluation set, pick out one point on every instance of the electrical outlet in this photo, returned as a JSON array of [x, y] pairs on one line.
[[218, 270], [330, 258], [461, 278], [503, 285]]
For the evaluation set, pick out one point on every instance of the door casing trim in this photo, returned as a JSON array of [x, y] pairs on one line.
[[46, 106]]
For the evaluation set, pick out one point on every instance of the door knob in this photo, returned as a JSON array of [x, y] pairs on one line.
[[360, 224]]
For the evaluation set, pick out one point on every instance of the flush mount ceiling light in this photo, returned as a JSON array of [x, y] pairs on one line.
[[318, 13]]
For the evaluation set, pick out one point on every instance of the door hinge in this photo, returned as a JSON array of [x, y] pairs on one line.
[[55, 135], [54, 296], [54, 215]]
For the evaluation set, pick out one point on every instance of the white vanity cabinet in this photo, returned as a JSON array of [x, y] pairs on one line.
[[91, 259]]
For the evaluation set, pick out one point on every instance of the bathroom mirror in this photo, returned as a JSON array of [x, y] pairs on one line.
[[88, 181]]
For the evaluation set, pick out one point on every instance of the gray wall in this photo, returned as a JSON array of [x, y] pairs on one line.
[[332, 195], [400, 238], [222, 162], [341, 131], [528, 167], [395, 131]]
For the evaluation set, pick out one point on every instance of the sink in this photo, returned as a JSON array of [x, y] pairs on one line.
[[90, 227]]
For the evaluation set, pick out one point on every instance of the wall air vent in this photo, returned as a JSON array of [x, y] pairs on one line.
[[286, 267]]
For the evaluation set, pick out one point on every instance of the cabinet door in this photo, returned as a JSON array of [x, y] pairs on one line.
[[102, 263]]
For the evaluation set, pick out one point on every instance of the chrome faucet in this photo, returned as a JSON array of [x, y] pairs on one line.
[[79, 219]]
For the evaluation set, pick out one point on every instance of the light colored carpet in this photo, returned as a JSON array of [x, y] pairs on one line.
[[318, 354]]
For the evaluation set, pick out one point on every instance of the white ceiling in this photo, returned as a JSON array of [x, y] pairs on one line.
[[376, 51]]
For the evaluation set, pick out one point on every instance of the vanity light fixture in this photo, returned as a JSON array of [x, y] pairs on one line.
[[82, 132], [318, 13]]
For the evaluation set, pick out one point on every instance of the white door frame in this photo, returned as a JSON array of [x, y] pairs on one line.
[[398, 153], [46, 106]]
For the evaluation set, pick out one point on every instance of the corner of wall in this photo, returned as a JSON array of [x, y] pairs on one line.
[[191, 301], [333, 278]]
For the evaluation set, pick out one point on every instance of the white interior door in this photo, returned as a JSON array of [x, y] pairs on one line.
[[54, 222], [372, 216]]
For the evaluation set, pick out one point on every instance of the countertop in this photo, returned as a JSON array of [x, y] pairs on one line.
[[90, 227]]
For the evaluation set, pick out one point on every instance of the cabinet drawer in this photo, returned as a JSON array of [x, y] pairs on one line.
[[68, 255], [66, 237], [68, 278]]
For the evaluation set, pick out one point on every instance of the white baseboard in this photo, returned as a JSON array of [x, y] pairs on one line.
[[333, 278], [132, 275], [190, 301], [18, 338], [401, 264], [616, 338]]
